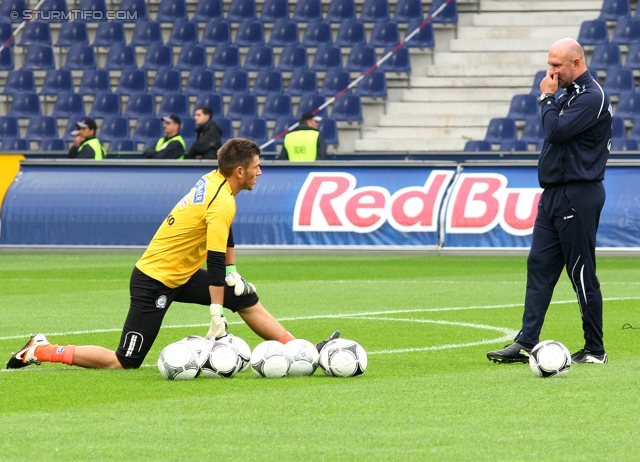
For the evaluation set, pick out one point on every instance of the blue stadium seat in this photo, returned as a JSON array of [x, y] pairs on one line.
[[374, 10], [293, 57], [615, 10], [226, 126], [242, 105], [105, 104], [449, 15], [175, 103], [212, 100], [192, 56], [424, 38], [56, 81], [341, 10], [6, 59], [633, 56], [268, 81], [254, 129], [6, 31], [8, 6], [593, 32], [98, 7], [513, 145], [239, 10], [187, 130], [72, 33], [122, 145], [477, 145], [619, 80], [114, 128], [524, 107], [9, 127], [53, 11], [317, 33], [605, 56], [302, 81], [335, 81], [408, 10], [206, 10], [53, 144], [35, 33], [384, 34], [80, 57], [627, 31], [132, 81], [71, 126], [225, 57], [148, 131], [167, 80], [618, 129], [307, 10], [41, 127], [120, 56], [94, 81], [624, 144], [258, 57], [109, 33], [133, 11], [183, 32], [200, 81], [216, 32], [25, 104], [171, 10], [350, 33], [348, 107], [328, 128], [277, 105], [38, 57], [68, 104], [140, 105], [361, 58], [281, 127], [628, 106], [400, 61], [284, 32], [15, 144], [309, 103], [273, 10], [635, 131], [250, 32], [19, 80], [157, 56], [327, 57], [146, 33], [234, 81], [535, 87], [533, 132], [501, 129], [373, 85]]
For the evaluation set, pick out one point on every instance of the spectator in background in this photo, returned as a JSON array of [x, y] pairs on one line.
[[305, 143], [171, 145], [208, 136], [85, 144]]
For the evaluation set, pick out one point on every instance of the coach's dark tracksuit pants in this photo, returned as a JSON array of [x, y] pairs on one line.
[[564, 235]]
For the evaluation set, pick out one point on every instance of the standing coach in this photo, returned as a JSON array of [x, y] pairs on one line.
[[577, 129]]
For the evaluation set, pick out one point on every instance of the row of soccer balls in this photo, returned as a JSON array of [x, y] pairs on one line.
[[195, 355], [550, 359]]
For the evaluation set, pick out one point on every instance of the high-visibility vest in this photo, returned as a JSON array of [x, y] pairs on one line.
[[302, 145], [160, 145], [98, 150]]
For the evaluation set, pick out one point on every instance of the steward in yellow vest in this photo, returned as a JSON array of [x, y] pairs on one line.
[[85, 144], [305, 143], [171, 146]]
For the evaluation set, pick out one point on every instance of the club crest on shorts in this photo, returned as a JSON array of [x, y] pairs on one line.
[[161, 302]]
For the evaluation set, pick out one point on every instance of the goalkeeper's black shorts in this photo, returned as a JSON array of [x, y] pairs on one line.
[[150, 300]]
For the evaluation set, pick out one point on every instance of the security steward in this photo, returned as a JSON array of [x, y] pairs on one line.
[[85, 143], [171, 145], [305, 143]]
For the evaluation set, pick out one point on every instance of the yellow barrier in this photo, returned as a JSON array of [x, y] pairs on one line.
[[9, 168]]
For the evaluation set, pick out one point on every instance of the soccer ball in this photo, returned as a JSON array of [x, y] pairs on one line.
[[269, 360], [222, 360], [550, 359], [200, 345], [178, 361], [343, 358], [304, 357], [244, 352]]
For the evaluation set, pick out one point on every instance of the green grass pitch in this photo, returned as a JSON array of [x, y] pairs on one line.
[[429, 392]]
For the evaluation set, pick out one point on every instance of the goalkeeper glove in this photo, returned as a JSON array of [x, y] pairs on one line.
[[240, 286], [218, 326]]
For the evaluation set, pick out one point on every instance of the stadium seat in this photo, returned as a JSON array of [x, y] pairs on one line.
[[183, 32], [148, 131], [373, 85], [212, 100], [216, 32], [335, 81], [146, 33], [109, 33], [274, 10], [477, 145], [449, 15], [424, 38], [200, 81], [350, 33], [167, 80], [513, 145], [188, 131], [624, 144], [52, 144], [605, 56], [80, 57], [627, 31], [98, 7], [277, 105], [309, 103], [408, 10], [385, 34], [140, 105], [225, 57], [250, 32], [53, 11], [121, 145], [281, 127], [633, 56], [19, 80], [9, 127], [615, 10], [284, 32], [400, 61], [242, 105], [374, 10], [348, 107], [132, 81], [234, 81], [268, 81], [293, 57], [25, 104], [593, 32], [114, 128], [302, 81], [535, 87], [71, 126], [239, 10], [328, 128], [307, 10], [254, 129], [628, 106], [619, 80], [341, 10], [38, 57], [68, 104], [327, 57], [533, 132], [120, 56], [226, 126], [501, 129], [192, 56], [6, 31], [133, 10], [618, 129], [35, 33], [8, 6], [258, 57], [72, 33], [94, 81], [14, 144], [524, 107], [206, 10], [317, 33], [6, 60], [41, 127], [56, 81], [171, 10], [105, 104], [175, 103], [157, 56], [635, 131]]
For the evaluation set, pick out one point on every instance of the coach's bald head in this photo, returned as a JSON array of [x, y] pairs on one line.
[[566, 59]]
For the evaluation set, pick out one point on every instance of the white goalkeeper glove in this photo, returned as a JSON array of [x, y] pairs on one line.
[[240, 286], [218, 326]]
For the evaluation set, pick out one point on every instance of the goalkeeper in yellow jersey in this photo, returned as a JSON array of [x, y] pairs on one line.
[[197, 230]]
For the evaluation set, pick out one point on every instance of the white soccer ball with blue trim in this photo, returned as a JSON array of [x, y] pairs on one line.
[[550, 359]]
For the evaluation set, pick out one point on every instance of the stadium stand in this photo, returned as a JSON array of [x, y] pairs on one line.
[[284, 32], [501, 129], [408, 11], [293, 57], [137, 10], [627, 31], [200, 81], [94, 81], [216, 32], [614, 10], [374, 10], [254, 128], [56, 81], [268, 81], [239, 10], [105, 104], [274, 10], [477, 145], [175, 103], [302, 81], [307, 10], [317, 33], [9, 127], [212, 100], [605, 56], [206, 10], [277, 105], [19, 80], [171, 10], [341, 10]]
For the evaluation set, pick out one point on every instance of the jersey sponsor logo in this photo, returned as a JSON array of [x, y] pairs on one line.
[[161, 302], [200, 191], [184, 201]]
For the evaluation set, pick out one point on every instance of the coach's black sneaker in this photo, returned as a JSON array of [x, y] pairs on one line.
[[585, 356], [512, 353], [334, 336], [25, 356]]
